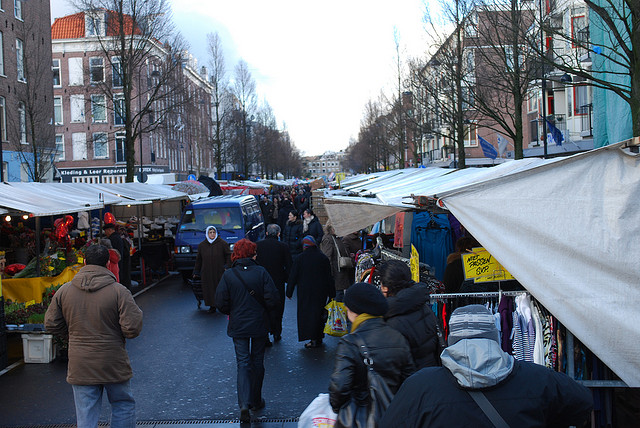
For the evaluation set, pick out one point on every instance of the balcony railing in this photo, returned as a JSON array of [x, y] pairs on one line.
[[586, 120]]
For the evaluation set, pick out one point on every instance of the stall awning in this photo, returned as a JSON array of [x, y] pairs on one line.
[[40, 200], [141, 192], [569, 231]]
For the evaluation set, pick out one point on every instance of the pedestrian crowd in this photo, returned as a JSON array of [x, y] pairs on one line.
[[393, 369]]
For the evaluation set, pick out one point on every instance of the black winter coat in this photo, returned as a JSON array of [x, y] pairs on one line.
[[314, 229], [293, 236], [391, 360], [311, 274], [409, 314], [247, 317], [531, 396]]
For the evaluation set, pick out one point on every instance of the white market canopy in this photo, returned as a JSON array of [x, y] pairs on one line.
[[567, 228], [46, 199]]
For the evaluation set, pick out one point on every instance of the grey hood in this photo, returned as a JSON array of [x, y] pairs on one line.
[[477, 363]]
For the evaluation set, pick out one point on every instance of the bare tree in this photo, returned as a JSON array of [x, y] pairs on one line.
[[443, 76], [220, 90], [33, 129], [500, 66], [244, 92], [609, 37], [144, 53]]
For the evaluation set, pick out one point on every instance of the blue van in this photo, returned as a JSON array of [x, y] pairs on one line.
[[235, 217]]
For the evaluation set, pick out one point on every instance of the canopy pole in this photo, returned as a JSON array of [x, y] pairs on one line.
[[38, 245]]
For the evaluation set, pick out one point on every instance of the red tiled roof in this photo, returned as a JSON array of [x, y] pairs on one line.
[[72, 26], [68, 27]]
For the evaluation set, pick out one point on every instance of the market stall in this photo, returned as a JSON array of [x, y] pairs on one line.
[[564, 228]]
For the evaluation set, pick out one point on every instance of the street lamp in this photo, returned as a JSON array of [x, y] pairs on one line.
[[544, 88]]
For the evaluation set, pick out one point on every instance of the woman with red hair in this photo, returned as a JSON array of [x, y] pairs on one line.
[[248, 295]]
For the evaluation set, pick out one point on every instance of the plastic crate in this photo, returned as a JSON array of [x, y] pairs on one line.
[[38, 348]]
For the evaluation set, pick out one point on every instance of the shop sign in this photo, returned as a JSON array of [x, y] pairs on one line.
[[481, 266]]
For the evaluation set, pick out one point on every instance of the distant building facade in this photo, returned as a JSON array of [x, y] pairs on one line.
[[324, 165]]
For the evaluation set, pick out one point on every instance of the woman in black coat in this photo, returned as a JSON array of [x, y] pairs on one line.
[[311, 273], [409, 312], [247, 294], [311, 225], [387, 348], [293, 233]]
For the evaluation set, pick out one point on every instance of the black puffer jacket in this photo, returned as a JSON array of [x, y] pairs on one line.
[[391, 360], [293, 236], [409, 314], [247, 317], [314, 229]]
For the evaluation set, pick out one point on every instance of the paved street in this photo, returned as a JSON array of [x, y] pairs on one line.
[[184, 369]]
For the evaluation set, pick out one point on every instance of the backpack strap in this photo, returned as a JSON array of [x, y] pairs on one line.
[[488, 409], [259, 298]]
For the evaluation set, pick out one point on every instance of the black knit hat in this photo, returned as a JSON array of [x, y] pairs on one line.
[[472, 322], [363, 298]]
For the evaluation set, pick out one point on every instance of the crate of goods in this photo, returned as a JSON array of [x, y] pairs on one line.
[[38, 348]]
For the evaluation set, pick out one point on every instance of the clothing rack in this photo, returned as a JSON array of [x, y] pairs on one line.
[[480, 295]]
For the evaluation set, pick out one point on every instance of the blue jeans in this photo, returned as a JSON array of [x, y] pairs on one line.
[[88, 399], [250, 363]]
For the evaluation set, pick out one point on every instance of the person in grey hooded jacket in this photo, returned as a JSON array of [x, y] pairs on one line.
[[523, 394]]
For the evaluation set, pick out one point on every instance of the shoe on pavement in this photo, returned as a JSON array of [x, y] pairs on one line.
[[258, 407], [268, 343], [245, 416]]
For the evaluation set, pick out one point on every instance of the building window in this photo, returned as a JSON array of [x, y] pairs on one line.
[[77, 108], [20, 59], [22, 120], [94, 24], [55, 68], [1, 53], [120, 147], [100, 145], [17, 9], [98, 108], [76, 77], [532, 101], [96, 69], [57, 110], [79, 145], [581, 98], [3, 119], [116, 72], [578, 28], [59, 147], [470, 138], [118, 109]]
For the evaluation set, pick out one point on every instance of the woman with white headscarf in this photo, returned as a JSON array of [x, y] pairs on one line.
[[214, 256]]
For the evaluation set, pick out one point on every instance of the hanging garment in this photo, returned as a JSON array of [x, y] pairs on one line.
[[431, 235], [506, 309]]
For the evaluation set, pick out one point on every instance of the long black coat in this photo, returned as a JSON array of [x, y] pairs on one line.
[[311, 273], [409, 314], [293, 236], [391, 360], [211, 261], [274, 256], [247, 317]]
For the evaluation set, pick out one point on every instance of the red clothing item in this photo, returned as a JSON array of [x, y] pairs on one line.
[[112, 264]]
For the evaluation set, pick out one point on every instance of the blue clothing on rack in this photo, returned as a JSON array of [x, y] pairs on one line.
[[431, 235]]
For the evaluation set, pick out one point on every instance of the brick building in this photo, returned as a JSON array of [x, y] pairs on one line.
[[90, 132], [26, 95]]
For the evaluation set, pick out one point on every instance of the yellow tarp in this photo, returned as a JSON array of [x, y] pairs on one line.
[[26, 289]]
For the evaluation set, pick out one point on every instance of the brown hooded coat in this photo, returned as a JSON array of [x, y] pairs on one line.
[[98, 314]]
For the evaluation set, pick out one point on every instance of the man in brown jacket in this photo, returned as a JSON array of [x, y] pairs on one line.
[[98, 314]]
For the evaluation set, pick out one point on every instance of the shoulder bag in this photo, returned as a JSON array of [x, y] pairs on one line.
[[352, 415], [343, 261], [488, 409], [251, 291]]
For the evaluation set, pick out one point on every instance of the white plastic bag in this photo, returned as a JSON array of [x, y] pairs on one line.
[[318, 414]]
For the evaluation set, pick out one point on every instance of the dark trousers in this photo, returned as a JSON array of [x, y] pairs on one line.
[[250, 363]]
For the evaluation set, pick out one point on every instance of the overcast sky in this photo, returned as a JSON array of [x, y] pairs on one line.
[[316, 63]]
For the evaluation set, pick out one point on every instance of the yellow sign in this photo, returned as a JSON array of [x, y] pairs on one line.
[[481, 266], [414, 262]]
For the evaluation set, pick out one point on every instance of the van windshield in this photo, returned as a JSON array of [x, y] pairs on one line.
[[223, 218]]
